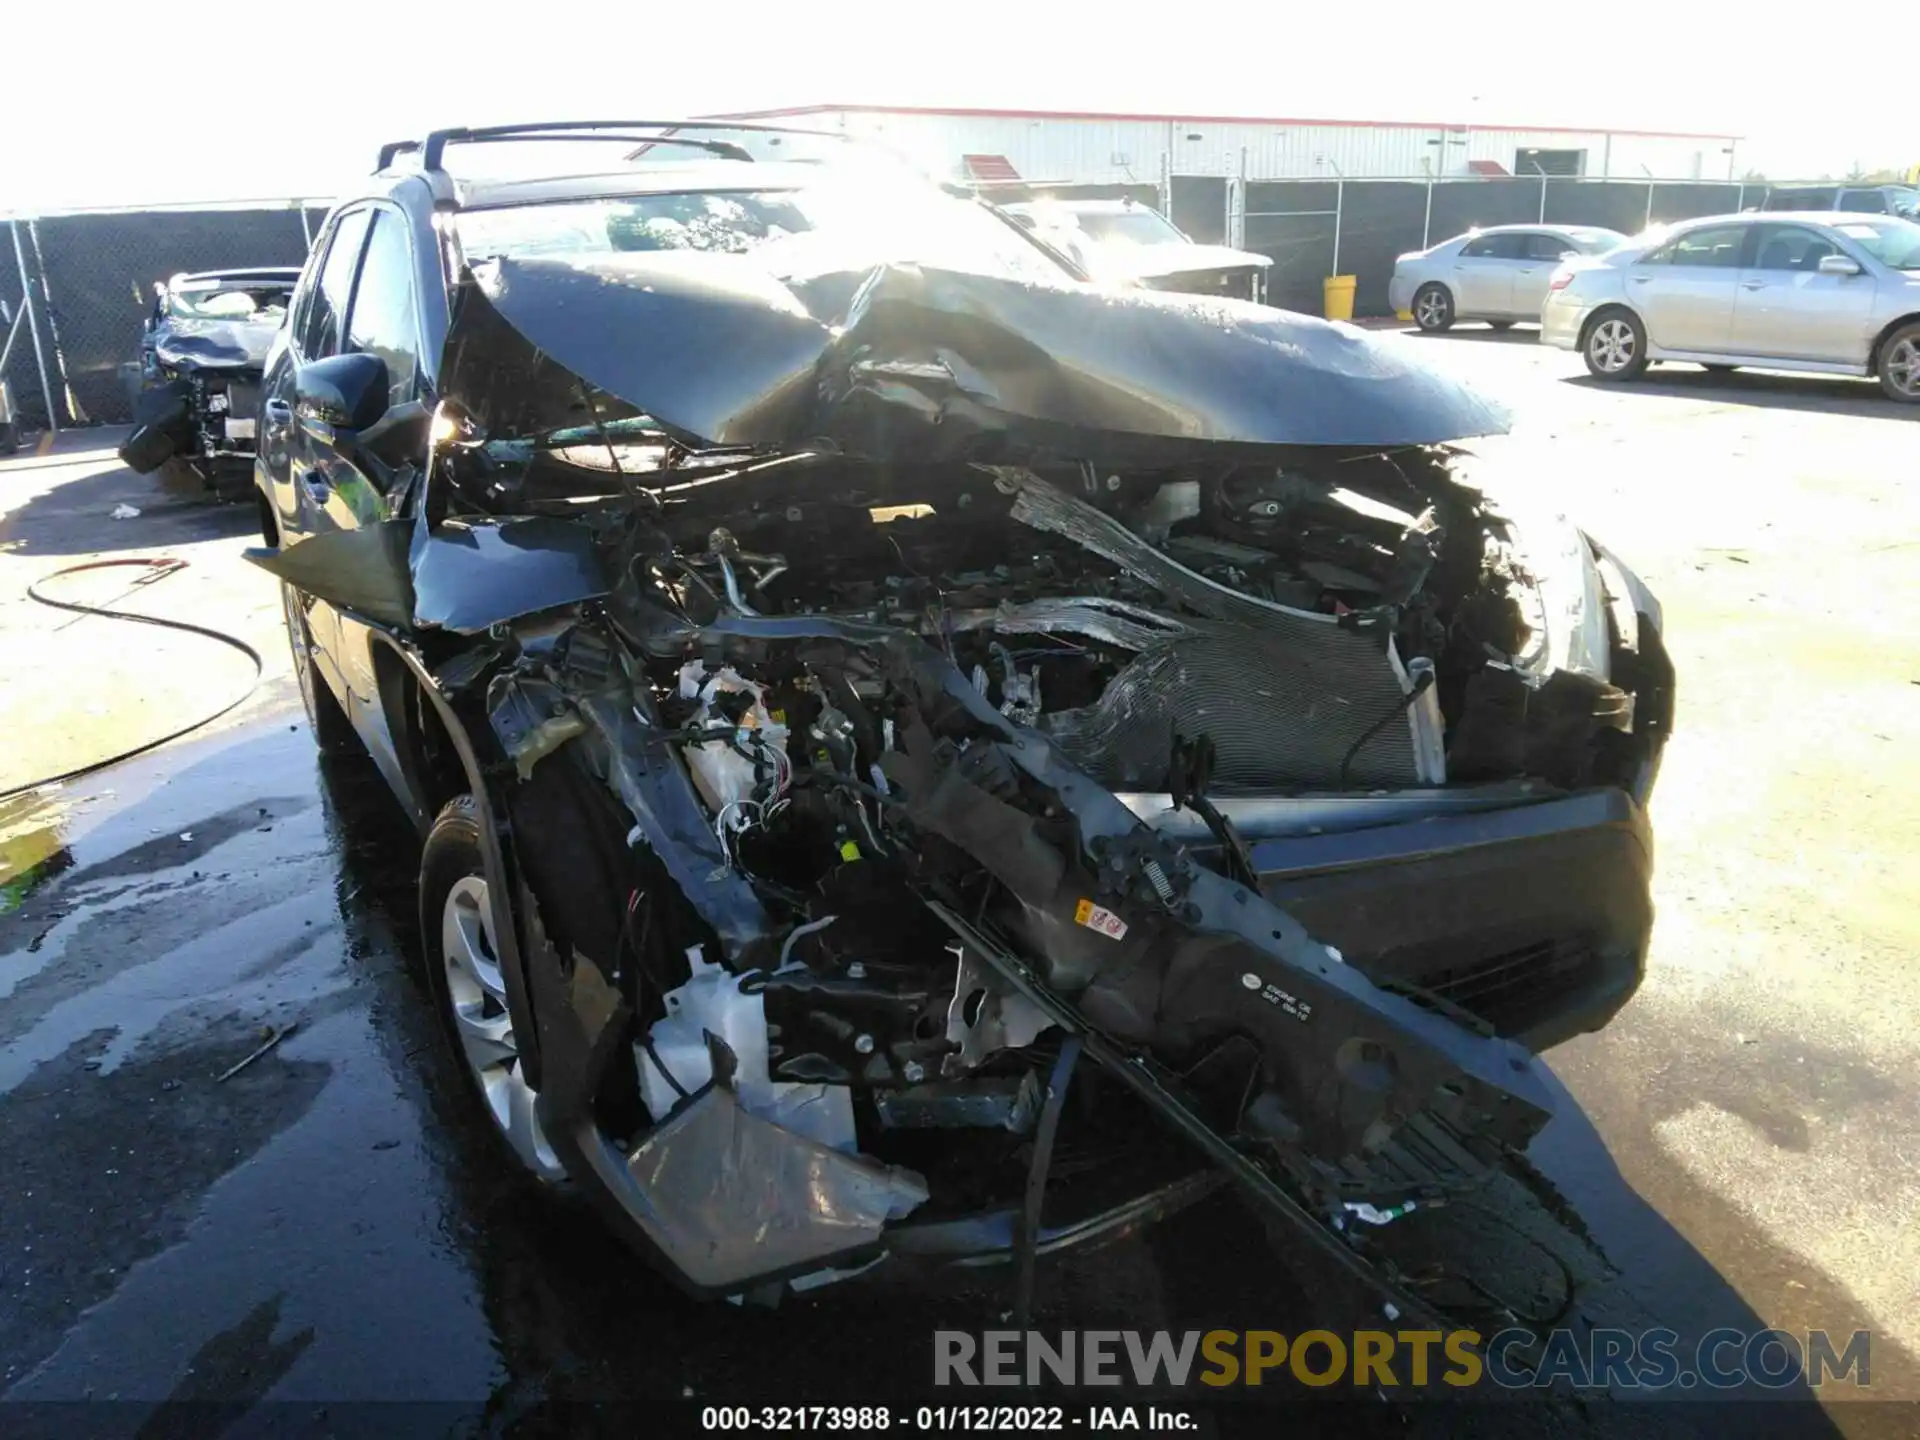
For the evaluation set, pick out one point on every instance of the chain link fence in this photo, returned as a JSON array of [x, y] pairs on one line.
[[1312, 229], [87, 287]]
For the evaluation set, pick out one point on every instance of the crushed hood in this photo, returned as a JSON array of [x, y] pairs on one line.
[[898, 360], [218, 344]]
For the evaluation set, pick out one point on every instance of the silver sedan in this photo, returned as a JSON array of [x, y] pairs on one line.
[[1498, 274], [1827, 293]]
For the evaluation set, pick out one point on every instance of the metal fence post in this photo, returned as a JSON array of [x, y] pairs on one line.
[[33, 324], [1647, 224], [306, 231], [1426, 222], [1543, 197], [1339, 207], [1741, 203]]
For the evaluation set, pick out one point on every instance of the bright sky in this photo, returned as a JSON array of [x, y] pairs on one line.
[[151, 105]]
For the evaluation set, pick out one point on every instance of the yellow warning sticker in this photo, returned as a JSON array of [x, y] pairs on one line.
[[1095, 917], [849, 850]]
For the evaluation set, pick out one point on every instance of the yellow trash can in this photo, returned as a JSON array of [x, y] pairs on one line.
[[1339, 296]]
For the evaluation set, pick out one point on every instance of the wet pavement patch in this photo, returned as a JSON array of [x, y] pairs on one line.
[[104, 1168]]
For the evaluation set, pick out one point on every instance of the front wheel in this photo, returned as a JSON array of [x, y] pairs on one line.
[[1433, 309], [460, 920], [1899, 366], [1616, 346]]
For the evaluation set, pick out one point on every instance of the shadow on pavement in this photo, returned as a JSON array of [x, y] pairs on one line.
[[1838, 395], [1475, 331], [72, 511]]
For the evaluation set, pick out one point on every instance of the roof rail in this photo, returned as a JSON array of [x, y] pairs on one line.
[[390, 151], [434, 147]]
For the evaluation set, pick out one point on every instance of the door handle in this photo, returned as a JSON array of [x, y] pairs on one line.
[[1640, 279], [279, 412], [1753, 284]]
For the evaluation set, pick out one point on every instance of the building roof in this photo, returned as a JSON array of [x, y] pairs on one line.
[[795, 111]]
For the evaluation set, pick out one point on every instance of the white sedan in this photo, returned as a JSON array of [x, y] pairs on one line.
[[1498, 274], [1828, 293]]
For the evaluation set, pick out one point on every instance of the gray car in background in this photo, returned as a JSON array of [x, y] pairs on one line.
[[1498, 274], [1829, 293]]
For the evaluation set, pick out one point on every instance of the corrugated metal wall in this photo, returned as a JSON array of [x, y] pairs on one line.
[[1123, 151]]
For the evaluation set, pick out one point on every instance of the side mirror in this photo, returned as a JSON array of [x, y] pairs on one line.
[[1838, 265], [342, 393]]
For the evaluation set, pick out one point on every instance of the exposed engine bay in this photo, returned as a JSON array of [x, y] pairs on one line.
[[874, 722]]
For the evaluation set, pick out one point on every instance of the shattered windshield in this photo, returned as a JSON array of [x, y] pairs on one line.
[[1138, 226], [1891, 242], [824, 226], [263, 304]]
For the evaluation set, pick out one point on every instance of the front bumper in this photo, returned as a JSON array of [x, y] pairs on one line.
[[1534, 918], [1400, 294], [1561, 320]]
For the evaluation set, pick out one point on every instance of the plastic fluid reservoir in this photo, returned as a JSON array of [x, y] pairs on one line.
[[712, 1001]]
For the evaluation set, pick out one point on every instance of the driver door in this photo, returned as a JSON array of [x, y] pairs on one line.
[[382, 318]]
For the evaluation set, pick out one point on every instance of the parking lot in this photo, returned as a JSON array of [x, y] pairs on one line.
[[1742, 1140]]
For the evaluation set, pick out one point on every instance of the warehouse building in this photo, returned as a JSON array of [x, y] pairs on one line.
[[1094, 148]]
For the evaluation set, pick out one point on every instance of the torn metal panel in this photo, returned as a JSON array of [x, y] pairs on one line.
[[364, 570], [736, 1198], [471, 575]]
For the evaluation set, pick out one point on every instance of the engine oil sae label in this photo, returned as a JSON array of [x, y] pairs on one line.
[[1299, 1009], [1099, 919]]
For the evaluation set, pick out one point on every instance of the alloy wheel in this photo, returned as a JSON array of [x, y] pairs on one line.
[[1902, 367], [1430, 310], [1612, 346], [478, 998]]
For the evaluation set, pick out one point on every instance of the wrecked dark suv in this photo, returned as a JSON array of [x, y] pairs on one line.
[[202, 350], [925, 758]]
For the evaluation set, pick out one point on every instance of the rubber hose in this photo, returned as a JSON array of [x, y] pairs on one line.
[[165, 566]]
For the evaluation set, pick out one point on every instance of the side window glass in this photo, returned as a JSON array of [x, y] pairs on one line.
[[320, 332], [382, 320], [1788, 247], [1485, 247], [1547, 247], [1713, 247], [1868, 202]]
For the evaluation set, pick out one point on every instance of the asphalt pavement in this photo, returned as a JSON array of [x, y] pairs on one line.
[[319, 1228]]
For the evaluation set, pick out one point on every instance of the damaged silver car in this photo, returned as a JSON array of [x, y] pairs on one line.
[[924, 758]]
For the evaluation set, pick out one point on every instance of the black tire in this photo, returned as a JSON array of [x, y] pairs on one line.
[[453, 877], [1898, 364], [9, 438], [1433, 308], [332, 732], [1614, 345], [1501, 325]]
